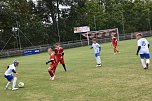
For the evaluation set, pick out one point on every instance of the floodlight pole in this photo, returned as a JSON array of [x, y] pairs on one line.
[[103, 4], [58, 30], [95, 25], [18, 34], [123, 25], [122, 18]]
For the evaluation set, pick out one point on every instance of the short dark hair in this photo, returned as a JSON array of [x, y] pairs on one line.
[[15, 62], [138, 34]]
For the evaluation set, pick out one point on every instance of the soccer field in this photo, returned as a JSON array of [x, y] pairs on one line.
[[121, 78]]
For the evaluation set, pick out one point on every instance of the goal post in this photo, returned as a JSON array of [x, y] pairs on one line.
[[101, 34]]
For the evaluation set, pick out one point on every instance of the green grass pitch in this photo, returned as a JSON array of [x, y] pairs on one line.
[[121, 78]]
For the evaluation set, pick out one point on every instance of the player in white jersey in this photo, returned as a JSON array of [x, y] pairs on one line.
[[97, 49], [143, 50], [9, 75]]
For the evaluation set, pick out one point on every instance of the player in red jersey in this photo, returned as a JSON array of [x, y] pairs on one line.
[[53, 64], [59, 53], [114, 43]]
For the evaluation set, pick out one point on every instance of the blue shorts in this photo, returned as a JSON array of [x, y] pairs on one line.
[[9, 77], [142, 56], [97, 54]]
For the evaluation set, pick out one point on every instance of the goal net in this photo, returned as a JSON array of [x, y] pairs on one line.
[[102, 34]]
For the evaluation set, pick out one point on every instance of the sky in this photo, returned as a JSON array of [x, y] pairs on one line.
[[60, 6]]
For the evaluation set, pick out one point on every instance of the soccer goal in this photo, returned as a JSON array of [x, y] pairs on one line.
[[102, 34]]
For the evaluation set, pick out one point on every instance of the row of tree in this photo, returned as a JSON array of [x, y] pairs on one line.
[[45, 22]]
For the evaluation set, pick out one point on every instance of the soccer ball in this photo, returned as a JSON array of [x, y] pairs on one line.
[[20, 84]]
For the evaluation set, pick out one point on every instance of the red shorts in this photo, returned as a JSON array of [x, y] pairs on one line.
[[52, 67], [59, 59], [115, 45]]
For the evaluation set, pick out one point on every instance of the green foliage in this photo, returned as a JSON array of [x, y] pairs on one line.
[[44, 20]]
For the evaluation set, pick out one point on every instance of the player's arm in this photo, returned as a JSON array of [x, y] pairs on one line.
[[7, 67], [99, 47], [139, 47], [13, 71], [50, 61], [63, 53], [148, 45]]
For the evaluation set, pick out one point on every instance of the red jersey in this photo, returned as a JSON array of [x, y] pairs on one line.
[[114, 40], [58, 51], [52, 57]]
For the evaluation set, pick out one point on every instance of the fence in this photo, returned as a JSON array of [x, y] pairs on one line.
[[69, 44]]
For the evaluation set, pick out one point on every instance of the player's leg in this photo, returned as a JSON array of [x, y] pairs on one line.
[[143, 61], [114, 50], [9, 78], [14, 84], [53, 69], [7, 85], [50, 72], [147, 56], [54, 66], [63, 64], [64, 67], [57, 60], [98, 60]]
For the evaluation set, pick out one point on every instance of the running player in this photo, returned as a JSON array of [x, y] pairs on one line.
[[9, 75], [97, 49], [59, 53], [114, 43], [53, 64], [143, 50]]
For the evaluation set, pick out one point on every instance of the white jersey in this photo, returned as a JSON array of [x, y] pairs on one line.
[[9, 70], [144, 46], [96, 48]]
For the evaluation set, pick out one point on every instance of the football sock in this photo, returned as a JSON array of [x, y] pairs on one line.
[[64, 67], [143, 63], [147, 61], [98, 60], [51, 73], [114, 50], [117, 50], [7, 85], [14, 82]]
